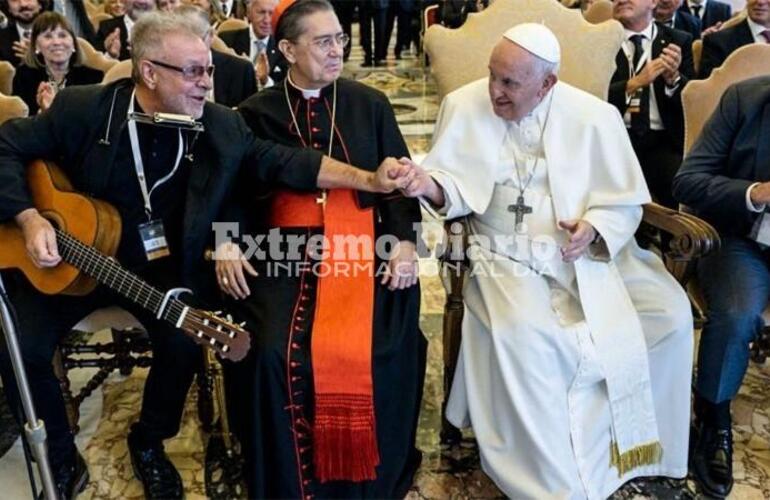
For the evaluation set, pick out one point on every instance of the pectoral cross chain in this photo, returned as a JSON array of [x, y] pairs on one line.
[[520, 209]]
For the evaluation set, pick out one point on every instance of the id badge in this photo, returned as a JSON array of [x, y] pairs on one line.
[[635, 104], [154, 239], [761, 230]]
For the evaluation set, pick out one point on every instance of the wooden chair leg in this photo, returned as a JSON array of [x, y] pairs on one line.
[[70, 404], [760, 348], [452, 333]]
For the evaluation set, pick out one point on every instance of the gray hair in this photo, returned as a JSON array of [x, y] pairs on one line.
[[150, 31], [197, 17]]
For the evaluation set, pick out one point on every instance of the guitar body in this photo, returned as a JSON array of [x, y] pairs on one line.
[[93, 222]]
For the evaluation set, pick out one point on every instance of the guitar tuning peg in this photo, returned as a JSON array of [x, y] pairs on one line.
[[212, 341], [229, 318], [242, 324], [217, 313]]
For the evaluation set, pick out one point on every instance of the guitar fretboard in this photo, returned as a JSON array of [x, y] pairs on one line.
[[107, 271]]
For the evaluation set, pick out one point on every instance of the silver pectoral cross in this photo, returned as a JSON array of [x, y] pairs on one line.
[[520, 209]]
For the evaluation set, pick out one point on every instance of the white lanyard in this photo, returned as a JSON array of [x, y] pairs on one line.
[[139, 164], [646, 55]]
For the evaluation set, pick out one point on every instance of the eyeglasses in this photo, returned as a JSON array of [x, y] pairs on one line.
[[325, 43], [192, 72]]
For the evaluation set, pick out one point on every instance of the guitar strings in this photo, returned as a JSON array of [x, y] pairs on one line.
[[89, 256]]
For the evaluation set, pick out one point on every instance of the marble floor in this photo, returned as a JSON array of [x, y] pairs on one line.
[[446, 472]]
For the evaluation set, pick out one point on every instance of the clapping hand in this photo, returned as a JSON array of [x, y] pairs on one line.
[[112, 43], [20, 48], [45, 94], [262, 69], [671, 57]]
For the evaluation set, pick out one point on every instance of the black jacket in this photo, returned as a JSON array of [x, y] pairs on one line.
[[234, 79], [715, 12], [366, 133], [108, 26], [670, 108], [717, 46], [240, 42], [8, 36], [686, 22], [27, 80], [78, 134], [730, 154], [78, 16]]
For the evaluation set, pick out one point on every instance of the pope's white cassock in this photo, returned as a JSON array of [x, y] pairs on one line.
[[575, 377]]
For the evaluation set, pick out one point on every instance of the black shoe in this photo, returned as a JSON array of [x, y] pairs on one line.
[[712, 461], [156, 472], [70, 478], [380, 63], [368, 63]]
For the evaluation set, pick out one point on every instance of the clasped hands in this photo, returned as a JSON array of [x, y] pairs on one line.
[[581, 234]]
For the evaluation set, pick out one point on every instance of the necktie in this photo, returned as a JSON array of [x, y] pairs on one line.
[[696, 10], [640, 121], [224, 9], [261, 46], [26, 34], [766, 35]]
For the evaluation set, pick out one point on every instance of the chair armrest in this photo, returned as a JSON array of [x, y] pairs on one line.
[[689, 238]]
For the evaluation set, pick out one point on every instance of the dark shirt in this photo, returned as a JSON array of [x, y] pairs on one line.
[[159, 147]]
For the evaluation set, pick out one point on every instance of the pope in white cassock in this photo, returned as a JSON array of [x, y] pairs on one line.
[[576, 354]]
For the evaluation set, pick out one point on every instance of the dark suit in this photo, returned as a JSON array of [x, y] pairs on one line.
[[8, 36], [659, 152], [715, 12], [78, 133], [234, 79], [730, 154], [240, 42], [717, 46], [27, 80], [686, 22], [77, 16], [108, 26]]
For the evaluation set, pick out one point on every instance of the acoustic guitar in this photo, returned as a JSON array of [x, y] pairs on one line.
[[87, 236]]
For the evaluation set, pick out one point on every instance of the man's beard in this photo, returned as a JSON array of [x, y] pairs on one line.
[[20, 20]]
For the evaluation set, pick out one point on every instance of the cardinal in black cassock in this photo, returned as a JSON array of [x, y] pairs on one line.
[[327, 403]]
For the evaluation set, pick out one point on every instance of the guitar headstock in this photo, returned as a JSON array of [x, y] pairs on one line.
[[222, 335]]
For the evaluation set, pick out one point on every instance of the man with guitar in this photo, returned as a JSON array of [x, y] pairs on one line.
[[167, 185]]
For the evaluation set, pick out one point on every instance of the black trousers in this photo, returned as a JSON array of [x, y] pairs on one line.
[[42, 320], [345, 10], [368, 16], [660, 156], [404, 32]]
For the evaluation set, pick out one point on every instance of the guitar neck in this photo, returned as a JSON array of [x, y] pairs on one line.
[[108, 272]]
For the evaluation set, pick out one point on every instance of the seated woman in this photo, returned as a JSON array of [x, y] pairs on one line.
[[327, 402], [53, 61]]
